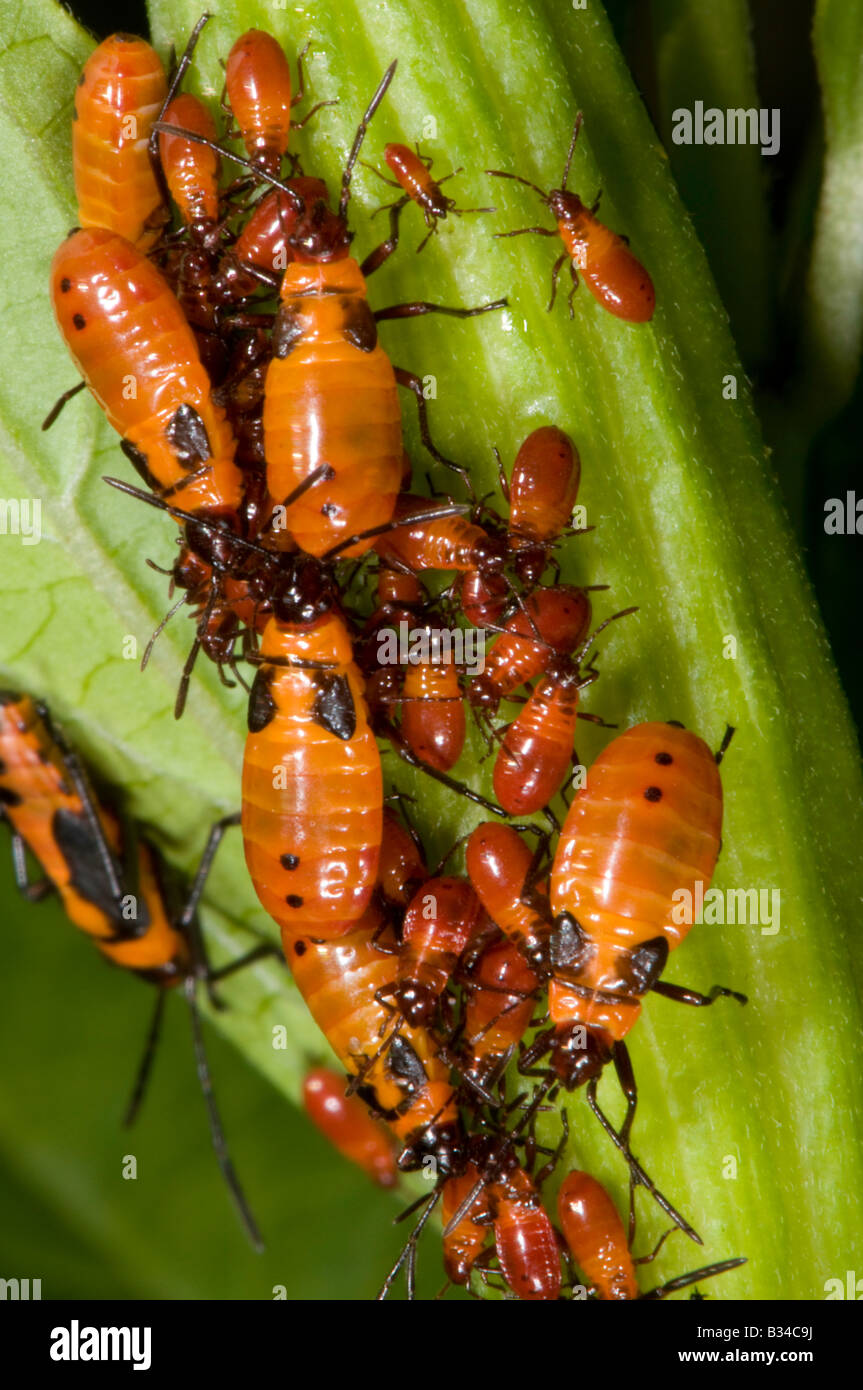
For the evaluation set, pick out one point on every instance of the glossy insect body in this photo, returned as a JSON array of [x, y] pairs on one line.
[[611, 272], [331, 400], [542, 491], [398, 590], [258, 84], [536, 751], [119, 96], [499, 864], [402, 867], [332, 422], [192, 174], [343, 983], [609, 269], [500, 1002], [444, 543], [645, 826], [442, 917], [414, 176], [463, 1245], [400, 597], [433, 719], [597, 1243], [524, 1238], [558, 617], [483, 597], [346, 1122], [312, 782], [133, 345], [191, 169], [264, 241]]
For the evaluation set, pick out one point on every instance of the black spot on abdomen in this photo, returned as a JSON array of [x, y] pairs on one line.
[[262, 706], [334, 708], [359, 327], [188, 435]]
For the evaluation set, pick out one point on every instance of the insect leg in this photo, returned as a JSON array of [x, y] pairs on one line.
[[33, 892], [59, 404], [217, 1133], [684, 1280], [555, 272], [145, 1065], [635, 1168], [214, 839], [681, 995], [412, 382], [422, 306]]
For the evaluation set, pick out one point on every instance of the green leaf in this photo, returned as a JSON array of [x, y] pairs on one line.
[[687, 526]]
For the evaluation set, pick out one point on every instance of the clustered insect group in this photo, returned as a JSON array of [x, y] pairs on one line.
[[273, 437]]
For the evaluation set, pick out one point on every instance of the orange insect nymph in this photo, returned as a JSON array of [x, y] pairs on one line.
[[119, 96], [191, 169], [599, 1247], [258, 85], [133, 345], [614, 276], [346, 1122], [399, 1067], [312, 782], [331, 400]]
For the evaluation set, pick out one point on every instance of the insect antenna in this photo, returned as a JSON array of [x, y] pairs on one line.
[[517, 178], [153, 142], [575, 133], [297, 202], [360, 136], [148, 650], [180, 515]]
